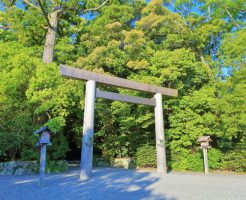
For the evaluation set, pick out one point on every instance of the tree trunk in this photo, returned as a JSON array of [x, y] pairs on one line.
[[48, 53]]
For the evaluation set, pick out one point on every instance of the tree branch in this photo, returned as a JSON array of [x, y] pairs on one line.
[[9, 3], [179, 12], [48, 114], [205, 64], [32, 5], [44, 12], [12, 2], [180, 25], [4, 27], [234, 21], [97, 8]]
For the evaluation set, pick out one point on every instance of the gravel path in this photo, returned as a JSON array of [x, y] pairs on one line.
[[121, 184]]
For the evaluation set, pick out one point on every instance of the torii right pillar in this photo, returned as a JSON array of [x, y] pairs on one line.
[[159, 135]]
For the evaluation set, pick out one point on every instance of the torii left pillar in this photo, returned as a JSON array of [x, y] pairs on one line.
[[88, 131]]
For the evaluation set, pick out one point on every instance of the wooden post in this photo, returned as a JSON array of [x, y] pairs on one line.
[[88, 131], [159, 132], [205, 157], [42, 163], [204, 140]]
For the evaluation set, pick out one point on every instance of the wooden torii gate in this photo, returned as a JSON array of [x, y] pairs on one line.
[[91, 93]]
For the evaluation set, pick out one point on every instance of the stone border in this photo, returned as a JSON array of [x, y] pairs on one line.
[[18, 167]]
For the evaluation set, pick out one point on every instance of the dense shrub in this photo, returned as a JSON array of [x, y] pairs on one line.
[[214, 158], [9, 144], [56, 166], [28, 154], [146, 156], [59, 147], [235, 161], [186, 160], [56, 151]]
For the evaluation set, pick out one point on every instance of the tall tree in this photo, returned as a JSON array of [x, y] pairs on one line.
[[53, 11], [207, 21]]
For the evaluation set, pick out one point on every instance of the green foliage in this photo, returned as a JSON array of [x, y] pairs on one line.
[[235, 161], [59, 147], [130, 39], [9, 144], [54, 166], [215, 158], [25, 28], [185, 160], [30, 153], [146, 156], [232, 48], [15, 113], [23, 107]]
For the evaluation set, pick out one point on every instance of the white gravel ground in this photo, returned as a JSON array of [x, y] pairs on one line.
[[121, 184]]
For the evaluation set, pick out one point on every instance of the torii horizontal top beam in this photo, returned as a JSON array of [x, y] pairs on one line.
[[82, 74]]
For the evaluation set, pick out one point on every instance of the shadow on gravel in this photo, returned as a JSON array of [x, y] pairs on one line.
[[106, 183]]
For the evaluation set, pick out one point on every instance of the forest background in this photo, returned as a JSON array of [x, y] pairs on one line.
[[197, 47]]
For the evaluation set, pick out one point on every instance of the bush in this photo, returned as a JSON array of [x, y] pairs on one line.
[[9, 145], [30, 154], [146, 156], [214, 158], [59, 147], [195, 161], [56, 166], [235, 161], [185, 160]]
